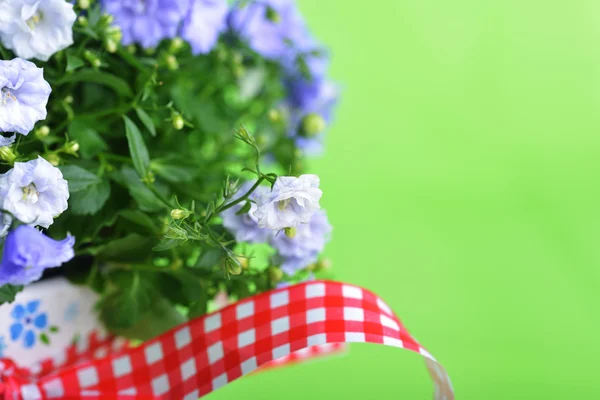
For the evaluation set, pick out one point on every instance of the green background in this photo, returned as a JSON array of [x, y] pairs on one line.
[[462, 178]]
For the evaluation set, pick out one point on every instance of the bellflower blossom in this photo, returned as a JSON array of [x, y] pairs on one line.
[[310, 106], [23, 96], [270, 27], [34, 192], [147, 22], [291, 202], [245, 226], [28, 252], [36, 28], [206, 20], [304, 248]]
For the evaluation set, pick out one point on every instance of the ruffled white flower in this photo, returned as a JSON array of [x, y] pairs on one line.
[[293, 201], [34, 192], [24, 95], [36, 28]]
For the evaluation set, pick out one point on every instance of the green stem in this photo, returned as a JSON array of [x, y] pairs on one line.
[[241, 199]]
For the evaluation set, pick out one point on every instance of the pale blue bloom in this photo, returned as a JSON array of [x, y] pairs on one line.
[[7, 141], [147, 22], [292, 201], [304, 248], [270, 27], [34, 192], [36, 28], [27, 321], [28, 252], [206, 20], [23, 95], [245, 226]]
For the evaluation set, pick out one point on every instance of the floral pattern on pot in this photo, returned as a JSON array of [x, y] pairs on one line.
[[28, 323]]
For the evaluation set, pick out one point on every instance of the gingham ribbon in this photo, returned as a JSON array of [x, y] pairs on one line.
[[209, 352]]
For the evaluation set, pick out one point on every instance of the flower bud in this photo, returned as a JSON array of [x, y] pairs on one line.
[[312, 125], [176, 45], [106, 19], [114, 32], [131, 49], [234, 267], [179, 214], [71, 148], [275, 274], [274, 115], [290, 232], [110, 46], [172, 62], [53, 159], [6, 154], [92, 59], [178, 122], [244, 262], [68, 99], [84, 4], [82, 20], [42, 132]]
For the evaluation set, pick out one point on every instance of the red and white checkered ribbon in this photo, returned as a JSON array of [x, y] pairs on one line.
[[209, 352]]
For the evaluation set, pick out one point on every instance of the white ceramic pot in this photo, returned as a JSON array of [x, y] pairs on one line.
[[45, 319]]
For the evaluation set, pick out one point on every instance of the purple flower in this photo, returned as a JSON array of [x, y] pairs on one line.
[[310, 106], [23, 95], [293, 201], [204, 23], [28, 252], [147, 22], [245, 226], [7, 141], [270, 27], [304, 248]]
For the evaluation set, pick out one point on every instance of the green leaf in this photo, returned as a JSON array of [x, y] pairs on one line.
[[210, 258], [44, 338], [146, 200], [90, 142], [54, 329], [175, 169], [137, 148], [120, 86], [74, 62], [146, 120], [130, 297], [131, 248], [8, 293], [141, 219], [90, 200], [167, 244], [78, 178]]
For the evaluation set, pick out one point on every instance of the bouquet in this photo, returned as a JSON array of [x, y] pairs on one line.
[[153, 151]]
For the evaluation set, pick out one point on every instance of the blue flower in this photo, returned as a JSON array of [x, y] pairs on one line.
[[27, 321], [245, 226], [270, 27], [28, 252], [204, 24], [147, 22], [2, 346], [310, 100], [304, 248]]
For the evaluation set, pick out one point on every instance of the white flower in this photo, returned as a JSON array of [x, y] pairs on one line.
[[293, 201], [23, 96], [34, 192], [36, 28]]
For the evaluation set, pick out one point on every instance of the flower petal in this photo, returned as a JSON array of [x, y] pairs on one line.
[[18, 312], [29, 339], [41, 321], [15, 331], [33, 306]]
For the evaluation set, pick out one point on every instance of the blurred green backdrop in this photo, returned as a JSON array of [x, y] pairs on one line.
[[462, 178]]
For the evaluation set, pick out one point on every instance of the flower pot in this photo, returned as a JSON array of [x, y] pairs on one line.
[[45, 319]]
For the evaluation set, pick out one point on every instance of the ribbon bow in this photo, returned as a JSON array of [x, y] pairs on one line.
[[209, 352]]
